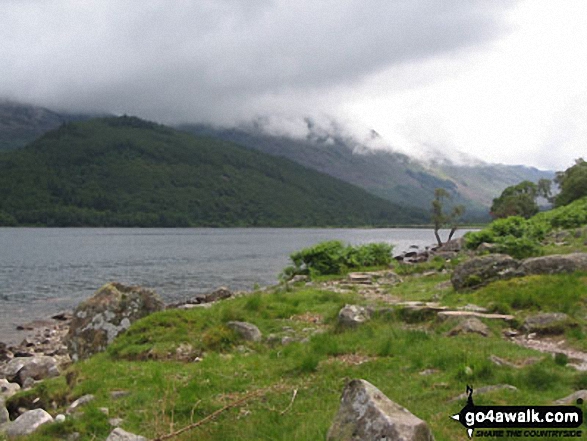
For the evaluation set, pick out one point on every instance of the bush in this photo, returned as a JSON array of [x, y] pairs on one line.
[[333, 257]]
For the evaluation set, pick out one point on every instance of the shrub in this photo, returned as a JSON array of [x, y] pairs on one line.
[[333, 257]]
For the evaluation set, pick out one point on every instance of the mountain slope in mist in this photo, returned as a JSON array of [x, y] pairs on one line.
[[391, 175]]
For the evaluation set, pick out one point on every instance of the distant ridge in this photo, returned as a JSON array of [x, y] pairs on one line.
[[125, 171]]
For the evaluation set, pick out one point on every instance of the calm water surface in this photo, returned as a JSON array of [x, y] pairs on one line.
[[44, 271]]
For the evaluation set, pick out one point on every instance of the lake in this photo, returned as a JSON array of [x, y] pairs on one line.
[[44, 270]]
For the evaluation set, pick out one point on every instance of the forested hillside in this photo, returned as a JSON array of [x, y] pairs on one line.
[[129, 172]]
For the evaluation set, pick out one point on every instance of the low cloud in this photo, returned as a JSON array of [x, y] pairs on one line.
[[222, 61]]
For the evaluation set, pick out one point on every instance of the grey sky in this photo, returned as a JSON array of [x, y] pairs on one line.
[[227, 61]]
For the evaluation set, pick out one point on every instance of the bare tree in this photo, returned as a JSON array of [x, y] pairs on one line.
[[442, 219]]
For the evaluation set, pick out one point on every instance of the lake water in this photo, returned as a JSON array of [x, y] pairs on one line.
[[44, 271]]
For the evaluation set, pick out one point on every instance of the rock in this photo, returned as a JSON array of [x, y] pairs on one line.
[[8, 389], [413, 312], [555, 264], [60, 418], [110, 311], [5, 353], [27, 423], [444, 315], [486, 247], [37, 368], [4, 417], [216, 295], [548, 323], [470, 325], [479, 271], [247, 331], [117, 394], [353, 315], [572, 399], [365, 413], [115, 422], [452, 245], [81, 401], [122, 435], [360, 278], [485, 390]]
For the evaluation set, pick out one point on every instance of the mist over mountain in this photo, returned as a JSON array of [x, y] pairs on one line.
[[371, 163], [360, 157]]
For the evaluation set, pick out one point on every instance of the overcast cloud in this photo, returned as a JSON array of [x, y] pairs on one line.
[[423, 73]]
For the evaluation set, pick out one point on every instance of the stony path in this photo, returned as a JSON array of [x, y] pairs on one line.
[[577, 359]]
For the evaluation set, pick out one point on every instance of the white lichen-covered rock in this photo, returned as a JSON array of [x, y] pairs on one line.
[[8, 389], [110, 311], [27, 423], [353, 315], [365, 413], [122, 435], [247, 331]]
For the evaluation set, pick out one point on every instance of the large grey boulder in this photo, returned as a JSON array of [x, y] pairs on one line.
[[482, 270], [119, 434], [555, 264], [247, 331], [471, 325], [353, 315], [110, 311], [27, 423], [39, 367], [365, 413], [548, 323]]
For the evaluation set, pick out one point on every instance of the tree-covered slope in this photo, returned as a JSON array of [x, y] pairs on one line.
[[129, 172]]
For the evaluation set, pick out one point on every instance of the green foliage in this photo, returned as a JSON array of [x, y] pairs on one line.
[[334, 257], [572, 183], [129, 172], [518, 200], [521, 237], [219, 338]]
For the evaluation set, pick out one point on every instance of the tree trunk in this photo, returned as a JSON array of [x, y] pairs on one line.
[[452, 231], [437, 237]]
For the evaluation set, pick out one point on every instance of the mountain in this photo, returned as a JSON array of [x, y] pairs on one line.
[[383, 172], [21, 124], [128, 172]]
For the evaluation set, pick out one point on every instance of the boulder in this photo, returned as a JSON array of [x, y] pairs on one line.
[[572, 399], [81, 401], [39, 367], [214, 296], [110, 311], [471, 325], [27, 423], [8, 389], [365, 413], [555, 264], [353, 315], [122, 435], [247, 331], [4, 416], [482, 270], [548, 323]]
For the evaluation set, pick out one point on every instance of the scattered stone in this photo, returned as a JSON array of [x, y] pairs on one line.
[[366, 413], [353, 315], [427, 372], [470, 325], [218, 294], [555, 264], [498, 361], [4, 417], [110, 311], [287, 340], [28, 383], [480, 271], [8, 389], [510, 333], [81, 401], [122, 435], [62, 316], [60, 418], [117, 394], [485, 390], [27, 423], [549, 323], [413, 312], [37, 368], [247, 331], [299, 278], [115, 422], [360, 278], [572, 399], [444, 315]]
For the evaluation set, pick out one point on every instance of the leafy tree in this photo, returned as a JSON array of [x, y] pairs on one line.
[[442, 219], [572, 183], [520, 199]]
